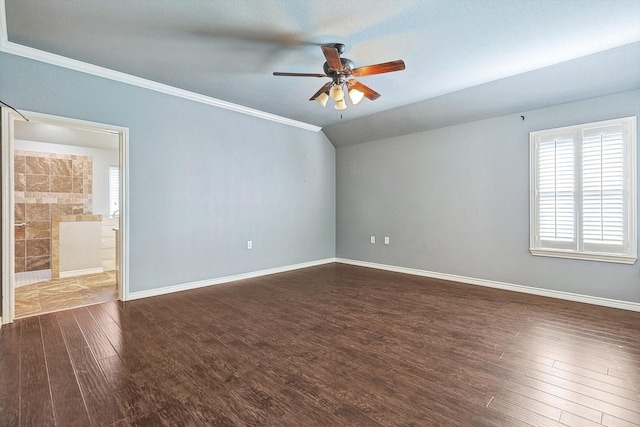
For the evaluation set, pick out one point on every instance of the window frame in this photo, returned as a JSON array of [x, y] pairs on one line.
[[576, 248]]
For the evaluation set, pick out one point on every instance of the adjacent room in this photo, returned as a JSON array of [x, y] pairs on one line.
[[66, 211], [319, 213]]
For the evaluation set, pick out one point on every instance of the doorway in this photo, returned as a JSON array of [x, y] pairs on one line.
[[64, 215]]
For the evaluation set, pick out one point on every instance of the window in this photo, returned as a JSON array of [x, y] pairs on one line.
[[114, 191], [583, 191]]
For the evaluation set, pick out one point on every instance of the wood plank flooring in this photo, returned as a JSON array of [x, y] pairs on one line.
[[333, 345]]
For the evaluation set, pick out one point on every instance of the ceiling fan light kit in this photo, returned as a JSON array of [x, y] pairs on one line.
[[340, 71], [336, 93], [341, 105], [323, 98], [355, 96]]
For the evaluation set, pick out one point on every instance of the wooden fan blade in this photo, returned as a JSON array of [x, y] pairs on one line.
[[368, 92], [385, 67], [333, 57], [322, 90], [276, 73]]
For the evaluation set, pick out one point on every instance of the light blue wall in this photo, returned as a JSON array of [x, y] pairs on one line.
[[203, 180], [455, 200]]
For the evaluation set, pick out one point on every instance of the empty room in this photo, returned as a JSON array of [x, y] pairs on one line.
[[319, 213]]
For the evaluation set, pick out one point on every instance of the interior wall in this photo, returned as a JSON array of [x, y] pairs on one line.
[[202, 180], [455, 200]]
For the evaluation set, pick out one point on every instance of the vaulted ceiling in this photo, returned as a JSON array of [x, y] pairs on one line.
[[465, 59]]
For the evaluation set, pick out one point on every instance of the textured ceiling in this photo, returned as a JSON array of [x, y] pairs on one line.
[[462, 56]]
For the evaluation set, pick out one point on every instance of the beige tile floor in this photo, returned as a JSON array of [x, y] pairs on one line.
[[60, 294]]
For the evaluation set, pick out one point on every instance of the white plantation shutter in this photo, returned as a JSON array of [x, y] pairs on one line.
[[583, 192], [114, 191], [555, 180], [603, 186]]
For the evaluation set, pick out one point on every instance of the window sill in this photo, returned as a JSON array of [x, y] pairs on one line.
[[587, 256]]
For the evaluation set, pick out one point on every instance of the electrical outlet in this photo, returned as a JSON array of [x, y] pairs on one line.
[[386, 240], [249, 244], [373, 239]]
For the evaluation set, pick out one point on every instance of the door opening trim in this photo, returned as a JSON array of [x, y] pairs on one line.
[[9, 118]]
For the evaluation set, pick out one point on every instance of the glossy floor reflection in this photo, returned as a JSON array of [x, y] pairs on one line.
[[60, 294], [331, 345]]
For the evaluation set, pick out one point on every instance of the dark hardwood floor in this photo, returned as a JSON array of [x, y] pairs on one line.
[[333, 345]]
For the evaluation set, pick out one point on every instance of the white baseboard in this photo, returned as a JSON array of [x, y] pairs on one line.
[[606, 302], [72, 273], [226, 279]]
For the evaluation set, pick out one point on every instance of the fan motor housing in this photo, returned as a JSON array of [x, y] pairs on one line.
[[347, 66]]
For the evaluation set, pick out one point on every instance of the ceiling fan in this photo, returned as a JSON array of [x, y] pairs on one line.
[[340, 71]]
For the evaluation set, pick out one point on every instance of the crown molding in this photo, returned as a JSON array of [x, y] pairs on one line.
[[83, 67]]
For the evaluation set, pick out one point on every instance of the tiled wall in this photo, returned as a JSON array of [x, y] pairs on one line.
[[46, 184]]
